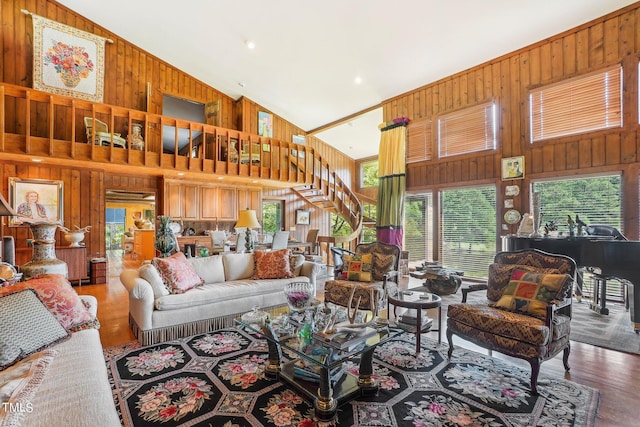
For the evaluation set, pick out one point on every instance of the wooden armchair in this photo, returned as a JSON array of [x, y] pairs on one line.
[[528, 309], [373, 266]]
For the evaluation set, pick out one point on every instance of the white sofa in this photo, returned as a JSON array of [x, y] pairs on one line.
[[228, 291], [75, 390]]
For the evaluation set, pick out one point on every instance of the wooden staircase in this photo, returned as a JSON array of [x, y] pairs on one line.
[[328, 192]]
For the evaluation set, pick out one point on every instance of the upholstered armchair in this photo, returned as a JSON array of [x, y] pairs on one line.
[[373, 266], [527, 313]]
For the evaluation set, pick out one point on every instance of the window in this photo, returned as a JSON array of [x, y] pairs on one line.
[[468, 224], [597, 200], [418, 226], [339, 225], [469, 130], [369, 174], [580, 105], [419, 141], [272, 216]]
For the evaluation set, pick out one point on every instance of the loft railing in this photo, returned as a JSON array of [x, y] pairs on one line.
[[36, 123]]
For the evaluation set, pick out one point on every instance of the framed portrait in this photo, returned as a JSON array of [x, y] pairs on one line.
[[36, 199], [512, 168], [265, 124], [303, 217]]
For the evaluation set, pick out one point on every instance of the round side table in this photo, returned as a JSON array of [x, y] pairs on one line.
[[418, 301]]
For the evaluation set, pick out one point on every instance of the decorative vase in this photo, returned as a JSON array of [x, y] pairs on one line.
[[165, 239], [74, 238], [43, 260], [70, 80]]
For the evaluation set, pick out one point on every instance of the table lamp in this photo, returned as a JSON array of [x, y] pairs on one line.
[[247, 219], [5, 210]]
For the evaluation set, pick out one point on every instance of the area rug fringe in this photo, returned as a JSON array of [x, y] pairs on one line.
[[169, 333]]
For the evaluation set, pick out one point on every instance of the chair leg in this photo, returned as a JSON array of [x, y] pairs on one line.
[[535, 370], [565, 357], [450, 341]]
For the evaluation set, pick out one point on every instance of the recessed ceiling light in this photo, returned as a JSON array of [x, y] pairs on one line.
[[250, 44], [180, 173], [36, 160], [357, 80], [221, 177]]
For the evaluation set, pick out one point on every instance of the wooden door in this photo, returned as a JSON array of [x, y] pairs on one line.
[[227, 206]]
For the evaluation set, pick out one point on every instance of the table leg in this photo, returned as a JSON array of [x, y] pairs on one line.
[[326, 406], [418, 329], [367, 384], [275, 355], [440, 324]]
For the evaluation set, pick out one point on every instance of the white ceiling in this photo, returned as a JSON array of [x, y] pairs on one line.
[[308, 54]]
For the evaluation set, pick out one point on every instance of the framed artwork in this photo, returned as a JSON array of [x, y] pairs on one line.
[[67, 61], [265, 124], [512, 168], [303, 217], [36, 200]]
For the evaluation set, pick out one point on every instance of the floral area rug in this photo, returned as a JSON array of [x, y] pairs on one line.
[[218, 379]]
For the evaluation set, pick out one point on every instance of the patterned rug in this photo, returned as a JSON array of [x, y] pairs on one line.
[[218, 379]]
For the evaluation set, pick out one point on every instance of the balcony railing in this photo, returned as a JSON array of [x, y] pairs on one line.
[[36, 123]]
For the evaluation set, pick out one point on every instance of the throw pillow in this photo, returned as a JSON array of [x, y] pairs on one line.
[[150, 273], [500, 275], [177, 273], [210, 268], [60, 298], [238, 266], [27, 324], [357, 268], [529, 293], [272, 264], [296, 261]]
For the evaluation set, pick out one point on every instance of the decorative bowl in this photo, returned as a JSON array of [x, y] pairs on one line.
[[299, 295], [74, 238]]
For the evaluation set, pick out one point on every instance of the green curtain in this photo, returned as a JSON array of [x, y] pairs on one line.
[[391, 182]]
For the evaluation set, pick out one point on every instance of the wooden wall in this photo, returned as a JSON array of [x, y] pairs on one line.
[[130, 73], [83, 197], [609, 40]]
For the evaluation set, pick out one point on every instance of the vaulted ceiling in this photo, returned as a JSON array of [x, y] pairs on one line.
[[308, 55]]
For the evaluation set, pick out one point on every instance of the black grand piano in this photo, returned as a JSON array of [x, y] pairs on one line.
[[617, 258]]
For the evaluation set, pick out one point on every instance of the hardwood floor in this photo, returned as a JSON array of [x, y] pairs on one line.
[[614, 373]]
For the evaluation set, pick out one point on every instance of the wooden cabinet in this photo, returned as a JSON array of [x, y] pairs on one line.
[[250, 198], [74, 256], [144, 244], [209, 203], [227, 206], [181, 201]]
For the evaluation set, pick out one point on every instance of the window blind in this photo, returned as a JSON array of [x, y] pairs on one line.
[[597, 200], [469, 130], [418, 226], [580, 105], [419, 141], [468, 224]]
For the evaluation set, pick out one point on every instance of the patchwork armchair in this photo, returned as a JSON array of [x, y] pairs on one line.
[[528, 309], [372, 266]]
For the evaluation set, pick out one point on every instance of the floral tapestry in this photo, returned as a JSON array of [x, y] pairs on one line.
[[67, 61]]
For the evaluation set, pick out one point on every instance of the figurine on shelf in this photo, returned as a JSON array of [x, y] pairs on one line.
[[136, 142], [550, 226], [572, 226], [580, 224]]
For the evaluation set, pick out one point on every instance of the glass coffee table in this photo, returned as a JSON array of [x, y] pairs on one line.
[[311, 355]]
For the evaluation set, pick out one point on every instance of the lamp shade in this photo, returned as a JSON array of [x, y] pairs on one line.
[[247, 219], [5, 209]]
